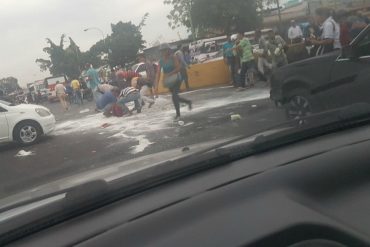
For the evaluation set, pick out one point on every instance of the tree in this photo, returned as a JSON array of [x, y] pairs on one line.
[[9, 85], [125, 41], [214, 16], [61, 61], [181, 14], [120, 47]]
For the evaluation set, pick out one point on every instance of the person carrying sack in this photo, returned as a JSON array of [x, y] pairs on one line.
[[171, 77]]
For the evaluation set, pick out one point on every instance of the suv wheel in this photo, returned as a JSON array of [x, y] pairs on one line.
[[27, 132], [298, 104]]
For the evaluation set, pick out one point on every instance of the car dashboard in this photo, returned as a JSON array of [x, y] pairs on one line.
[[311, 193]]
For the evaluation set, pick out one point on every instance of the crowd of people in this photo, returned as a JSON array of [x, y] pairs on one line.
[[244, 60], [328, 31], [112, 94]]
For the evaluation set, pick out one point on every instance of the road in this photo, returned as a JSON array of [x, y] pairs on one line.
[[80, 141]]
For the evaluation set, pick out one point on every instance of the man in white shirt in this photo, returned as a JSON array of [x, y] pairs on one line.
[[295, 33], [330, 32]]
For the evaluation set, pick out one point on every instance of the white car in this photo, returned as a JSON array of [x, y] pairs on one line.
[[24, 123]]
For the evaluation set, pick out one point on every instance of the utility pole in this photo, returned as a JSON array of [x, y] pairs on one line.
[[279, 12]]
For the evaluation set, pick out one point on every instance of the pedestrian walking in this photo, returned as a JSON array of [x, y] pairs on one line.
[[92, 79], [77, 96], [184, 66], [247, 61], [330, 32], [69, 93], [295, 33], [130, 94], [171, 78], [229, 59], [60, 92]]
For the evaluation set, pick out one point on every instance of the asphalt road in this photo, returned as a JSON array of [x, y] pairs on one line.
[[85, 140]]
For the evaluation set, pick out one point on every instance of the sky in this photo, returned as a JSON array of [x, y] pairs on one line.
[[25, 25]]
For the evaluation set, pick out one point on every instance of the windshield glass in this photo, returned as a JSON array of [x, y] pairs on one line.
[[5, 103], [104, 83]]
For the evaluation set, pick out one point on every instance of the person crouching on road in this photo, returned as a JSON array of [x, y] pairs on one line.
[[141, 84], [130, 94], [107, 100]]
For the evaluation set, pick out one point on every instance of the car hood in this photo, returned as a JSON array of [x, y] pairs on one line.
[[313, 61], [26, 107]]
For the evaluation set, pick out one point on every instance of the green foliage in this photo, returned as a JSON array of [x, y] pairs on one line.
[[225, 16], [181, 14], [9, 84], [218, 16], [120, 47], [61, 60], [124, 42]]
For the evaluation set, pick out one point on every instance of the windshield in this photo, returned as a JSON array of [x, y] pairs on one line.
[[113, 82], [5, 103]]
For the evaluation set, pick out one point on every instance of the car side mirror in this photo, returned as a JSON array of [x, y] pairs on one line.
[[348, 52]]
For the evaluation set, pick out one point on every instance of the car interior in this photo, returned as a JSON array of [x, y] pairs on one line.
[[309, 193]]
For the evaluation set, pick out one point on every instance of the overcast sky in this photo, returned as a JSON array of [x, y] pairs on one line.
[[26, 23]]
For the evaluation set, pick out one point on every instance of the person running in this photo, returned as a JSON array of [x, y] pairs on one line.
[[130, 94], [171, 68], [247, 61], [184, 66], [77, 96], [93, 79], [60, 92], [229, 59]]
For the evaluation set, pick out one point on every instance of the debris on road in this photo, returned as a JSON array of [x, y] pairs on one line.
[[235, 117], [85, 111], [24, 153], [188, 124], [254, 106], [105, 125]]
